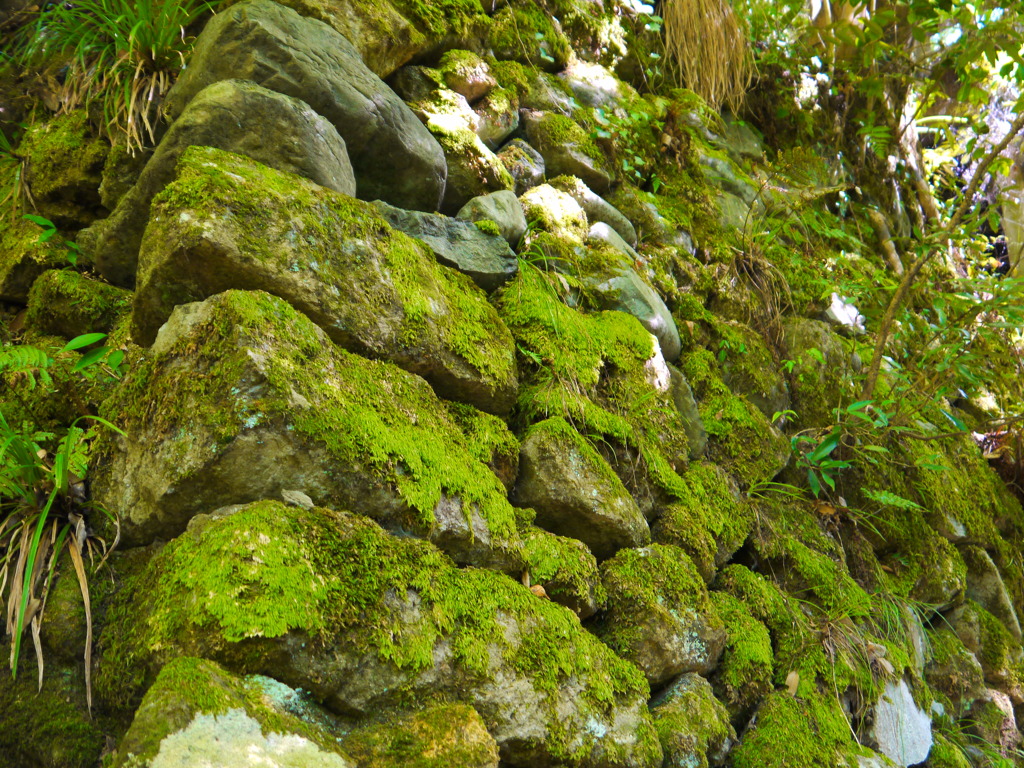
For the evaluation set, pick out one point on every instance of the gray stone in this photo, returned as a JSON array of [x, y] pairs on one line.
[[596, 207], [466, 73], [291, 138], [902, 731], [393, 155], [640, 209], [415, 83], [686, 404], [621, 288], [280, 407], [723, 173], [594, 86], [369, 622], [844, 316], [733, 214], [553, 211], [545, 92], [568, 150], [524, 163], [741, 141], [473, 170], [985, 586], [659, 615], [574, 491], [229, 222], [503, 208], [484, 257]]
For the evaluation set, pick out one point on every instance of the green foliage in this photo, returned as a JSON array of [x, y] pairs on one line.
[[49, 230], [122, 54]]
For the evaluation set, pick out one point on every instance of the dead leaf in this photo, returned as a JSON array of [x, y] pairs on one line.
[[793, 682], [538, 590]]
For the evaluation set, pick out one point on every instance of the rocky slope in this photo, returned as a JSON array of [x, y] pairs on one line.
[[459, 427]]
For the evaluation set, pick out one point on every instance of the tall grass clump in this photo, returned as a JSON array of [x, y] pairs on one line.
[[707, 50], [121, 54]]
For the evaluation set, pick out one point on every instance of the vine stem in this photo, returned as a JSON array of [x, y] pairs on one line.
[[907, 281]]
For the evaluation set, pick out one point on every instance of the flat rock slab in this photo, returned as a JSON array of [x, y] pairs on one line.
[[229, 222], [291, 138], [485, 257], [394, 156], [367, 622], [244, 398]]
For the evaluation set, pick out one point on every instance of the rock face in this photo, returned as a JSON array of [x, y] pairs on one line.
[[483, 256], [575, 493], [524, 163], [365, 622], [291, 138], [568, 150], [228, 222], [903, 731], [658, 614], [242, 398], [394, 157], [692, 724]]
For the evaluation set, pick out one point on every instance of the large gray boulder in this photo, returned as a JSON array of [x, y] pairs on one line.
[[902, 730], [229, 222], [574, 491], [394, 157], [291, 138], [484, 256], [243, 398], [367, 622]]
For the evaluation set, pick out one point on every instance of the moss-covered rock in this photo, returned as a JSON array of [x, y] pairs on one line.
[[292, 138], [740, 437], [48, 727], [568, 149], [745, 673], [524, 163], [393, 155], [63, 169], [473, 169], [365, 621], [953, 670], [23, 259], [489, 441], [565, 568], [556, 212], [1000, 654], [820, 378], [523, 32], [243, 398], [68, 304], [229, 222], [658, 613], [197, 712], [692, 724], [792, 732], [710, 522], [435, 737], [749, 369], [574, 491]]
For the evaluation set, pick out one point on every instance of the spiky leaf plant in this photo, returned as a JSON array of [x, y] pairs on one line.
[[707, 50], [122, 54]]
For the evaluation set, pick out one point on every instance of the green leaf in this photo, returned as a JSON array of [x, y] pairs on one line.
[[824, 448], [83, 341], [90, 358], [889, 499]]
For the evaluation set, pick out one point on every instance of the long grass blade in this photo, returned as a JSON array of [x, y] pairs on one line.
[[83, 582]]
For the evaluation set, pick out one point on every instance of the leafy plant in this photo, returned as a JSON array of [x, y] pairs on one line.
[[42, 515], [49, 230], [12, 176], [122, 54]]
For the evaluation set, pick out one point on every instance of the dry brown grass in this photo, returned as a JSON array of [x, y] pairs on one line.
[[707, 50]]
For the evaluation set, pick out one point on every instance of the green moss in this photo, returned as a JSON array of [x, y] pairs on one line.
[[472, 167], [646, 581], [691, 724], [23, 259], [554, 130], [590, 370], [231, 588], [511, 75], [367, 414], [49, 726], [435, 737], [565, 568], [443, 17], [558, 214], [946, 754], [439, 306], [64, 164], [487, 227], [68, 304], [745, 672], [741, 438], [523, 32], [488, 440], [796, 732]]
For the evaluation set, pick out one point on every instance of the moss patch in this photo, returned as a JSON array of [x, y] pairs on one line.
[[66, 303]]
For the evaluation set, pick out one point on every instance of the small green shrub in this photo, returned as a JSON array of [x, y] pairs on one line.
[[121, 54]]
